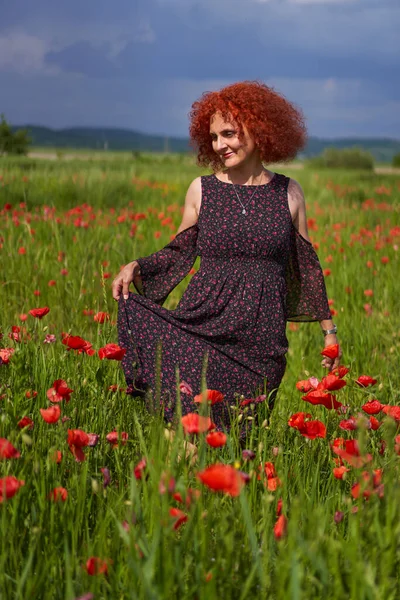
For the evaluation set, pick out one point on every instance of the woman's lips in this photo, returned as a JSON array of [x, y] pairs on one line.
[[228, 154]]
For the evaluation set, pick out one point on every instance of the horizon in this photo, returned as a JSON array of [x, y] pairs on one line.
[[182, 137]]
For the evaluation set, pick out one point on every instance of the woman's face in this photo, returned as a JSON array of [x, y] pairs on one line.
[[226, 143]]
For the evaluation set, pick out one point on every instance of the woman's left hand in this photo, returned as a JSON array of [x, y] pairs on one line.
[[327, 362]]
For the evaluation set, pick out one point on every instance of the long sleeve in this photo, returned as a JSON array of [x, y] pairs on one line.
[[162, 271], [306, 292]]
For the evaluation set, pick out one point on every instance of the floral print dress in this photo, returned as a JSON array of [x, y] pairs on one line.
[[228, 330]]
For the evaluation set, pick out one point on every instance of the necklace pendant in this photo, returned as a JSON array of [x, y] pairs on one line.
[[244, 211]]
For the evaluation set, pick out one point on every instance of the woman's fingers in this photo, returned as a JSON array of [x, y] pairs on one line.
[[116, 288]]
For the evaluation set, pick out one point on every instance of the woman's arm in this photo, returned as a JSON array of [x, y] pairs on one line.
[[192, 205], [297, 207]]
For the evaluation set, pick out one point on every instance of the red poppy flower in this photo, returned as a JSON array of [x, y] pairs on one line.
[[179, 517], [211, 396], [304, 386], [313, 429], [139, 469], [372, 407], [371, 484], [112, 352], [366, 380], [9, 486], [78, 439], [51, 414], [194, 423], [280, 527], [273, 481], [351, 454], [39, 313], [56, 456], [25, 422], [392, 411], [222, 478], [216, 439], [348, 424], [7, 450], [59, 494], [74, 342], [5, 355], [374, 423], [297, 420], [331, 383], [96, 566], [60, 391], [114, 437], [331, 351], [101, 317], [340, 371], [339, 472], [323, 398]]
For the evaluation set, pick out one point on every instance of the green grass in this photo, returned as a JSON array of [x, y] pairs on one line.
[[227, 547]]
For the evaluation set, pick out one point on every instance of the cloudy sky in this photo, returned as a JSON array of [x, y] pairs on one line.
[[139, 64]]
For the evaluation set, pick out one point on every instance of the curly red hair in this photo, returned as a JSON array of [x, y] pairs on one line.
[[277, 127]]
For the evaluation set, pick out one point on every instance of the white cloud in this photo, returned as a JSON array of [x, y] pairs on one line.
[[24, 53]]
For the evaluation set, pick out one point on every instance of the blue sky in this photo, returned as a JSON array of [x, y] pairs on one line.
[[139, 64]]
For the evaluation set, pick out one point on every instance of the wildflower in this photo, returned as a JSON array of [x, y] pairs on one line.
[[366, 380], [338, 517], [112, 352], [185, 388], [331, 351], [392, 411], [140, 467], [371, 484], [194, 423], [222, 478], [5, 355], [49, 339], [323, 398], [78, 439], [25, 422], [332, 382], [106, 476], [59, 391], [211, 396], [9, 486], [350, 453], [216, 439], [59, 494], [372, 407], [101, 317], [339, 472], [51, 414], [113, 437], [39, 313], [96, 566], [179, 517], [273, 481], [248, 455], [7, 450], [280, 527]]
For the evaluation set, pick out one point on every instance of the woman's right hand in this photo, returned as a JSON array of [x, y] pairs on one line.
[[123, 280]]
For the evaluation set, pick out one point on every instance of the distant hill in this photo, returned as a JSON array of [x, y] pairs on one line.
[[94, 138]]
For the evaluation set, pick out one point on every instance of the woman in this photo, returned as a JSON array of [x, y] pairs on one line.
[[258, 267]]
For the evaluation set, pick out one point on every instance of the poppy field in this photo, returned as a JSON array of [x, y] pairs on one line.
[[98, 499]]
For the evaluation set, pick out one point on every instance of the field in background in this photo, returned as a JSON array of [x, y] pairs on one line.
[[66, 228]]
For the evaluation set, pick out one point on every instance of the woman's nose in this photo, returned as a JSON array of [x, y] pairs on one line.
[[221, 144]]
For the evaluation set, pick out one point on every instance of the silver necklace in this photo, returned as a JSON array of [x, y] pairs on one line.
[[241, 203]]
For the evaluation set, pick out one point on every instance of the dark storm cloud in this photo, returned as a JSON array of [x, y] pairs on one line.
[[142, 63]]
